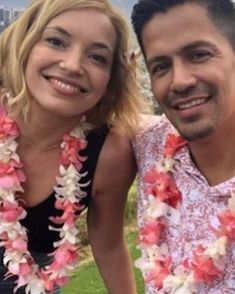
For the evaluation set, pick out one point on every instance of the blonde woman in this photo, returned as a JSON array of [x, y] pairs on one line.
[[69, 104]]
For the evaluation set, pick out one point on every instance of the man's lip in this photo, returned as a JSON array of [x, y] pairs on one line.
[[182, 101]]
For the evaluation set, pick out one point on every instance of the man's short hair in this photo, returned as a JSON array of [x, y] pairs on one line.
[[221, 12]]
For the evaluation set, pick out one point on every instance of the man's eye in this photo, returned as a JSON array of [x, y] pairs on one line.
[[159, 69], [200, 56], [55, 42]]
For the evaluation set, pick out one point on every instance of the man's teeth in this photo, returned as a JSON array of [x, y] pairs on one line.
[[67, 86], [193, 103]]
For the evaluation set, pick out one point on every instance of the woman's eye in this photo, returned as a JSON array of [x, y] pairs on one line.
[[55, 42], [99, 58]]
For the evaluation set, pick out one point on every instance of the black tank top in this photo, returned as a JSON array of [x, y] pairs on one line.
[[40, 238]]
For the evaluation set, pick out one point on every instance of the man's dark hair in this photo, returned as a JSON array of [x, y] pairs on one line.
[[221, 12]]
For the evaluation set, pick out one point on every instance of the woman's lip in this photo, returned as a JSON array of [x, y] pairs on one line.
[[63, 89], [70, 82]]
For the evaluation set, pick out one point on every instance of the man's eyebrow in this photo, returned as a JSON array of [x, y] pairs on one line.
[[199, 43], [154, 59]]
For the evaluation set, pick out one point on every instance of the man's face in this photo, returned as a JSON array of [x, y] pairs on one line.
[[192, 70]]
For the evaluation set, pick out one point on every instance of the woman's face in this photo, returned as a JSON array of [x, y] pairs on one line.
[[69, 68]]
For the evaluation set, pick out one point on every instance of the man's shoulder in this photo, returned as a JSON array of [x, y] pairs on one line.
[[154, 124], [152, 132]]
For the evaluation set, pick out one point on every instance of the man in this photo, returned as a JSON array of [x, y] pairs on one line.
[[187, 181]]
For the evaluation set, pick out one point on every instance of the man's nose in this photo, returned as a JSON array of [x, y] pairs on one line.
[[182, 77]]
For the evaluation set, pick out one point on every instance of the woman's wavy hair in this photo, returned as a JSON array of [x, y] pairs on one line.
[[122, 104]]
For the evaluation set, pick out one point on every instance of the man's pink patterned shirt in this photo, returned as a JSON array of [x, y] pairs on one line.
[[200, 206]]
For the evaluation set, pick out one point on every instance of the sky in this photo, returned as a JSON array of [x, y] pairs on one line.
[[124, 4]]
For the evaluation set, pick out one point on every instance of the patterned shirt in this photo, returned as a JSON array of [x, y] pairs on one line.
[[201, 203]]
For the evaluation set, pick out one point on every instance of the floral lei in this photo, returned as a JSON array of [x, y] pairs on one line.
[[162, 200], [68, 193]]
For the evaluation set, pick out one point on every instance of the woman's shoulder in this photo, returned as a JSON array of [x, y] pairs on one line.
[[116, 162], [118, 143]]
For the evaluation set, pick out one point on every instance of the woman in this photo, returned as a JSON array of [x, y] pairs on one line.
[[68, 97]]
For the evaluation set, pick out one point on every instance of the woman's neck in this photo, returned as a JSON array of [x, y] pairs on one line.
[[45, 130]]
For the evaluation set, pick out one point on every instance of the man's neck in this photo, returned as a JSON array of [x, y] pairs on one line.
[[215, 157]]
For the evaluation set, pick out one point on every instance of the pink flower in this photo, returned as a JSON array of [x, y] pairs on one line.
[[70, 212], [61, 281], [25, 269], [65, 255], [7, 125], [11, 212], [19, 244], [161, 271], [173, 144], [48, 282], [151, 232], [70, 153], [227, 220], [51, 283], [7, 182], [163, 187], [11, 175], [204, 269]]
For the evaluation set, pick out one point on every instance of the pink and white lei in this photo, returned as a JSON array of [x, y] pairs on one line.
[[68, 193], [163, 198]]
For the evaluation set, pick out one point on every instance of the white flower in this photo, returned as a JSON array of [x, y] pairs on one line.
[[145, 265], [147, 261], [8, 150], [168, 164], [217, 249], [12, 229], [69, 183], [35, 285], [179, 284], [69, 234], [12, 260], [157, 209], [77, 132], [7, 196], [150, 254]]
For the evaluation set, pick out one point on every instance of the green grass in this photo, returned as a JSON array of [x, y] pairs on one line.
[[86, 279]]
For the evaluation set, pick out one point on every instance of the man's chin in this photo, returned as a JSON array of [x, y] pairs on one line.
[[194, 134]]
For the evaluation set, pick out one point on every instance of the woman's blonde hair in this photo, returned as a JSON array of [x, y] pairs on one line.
[[122, 104]]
